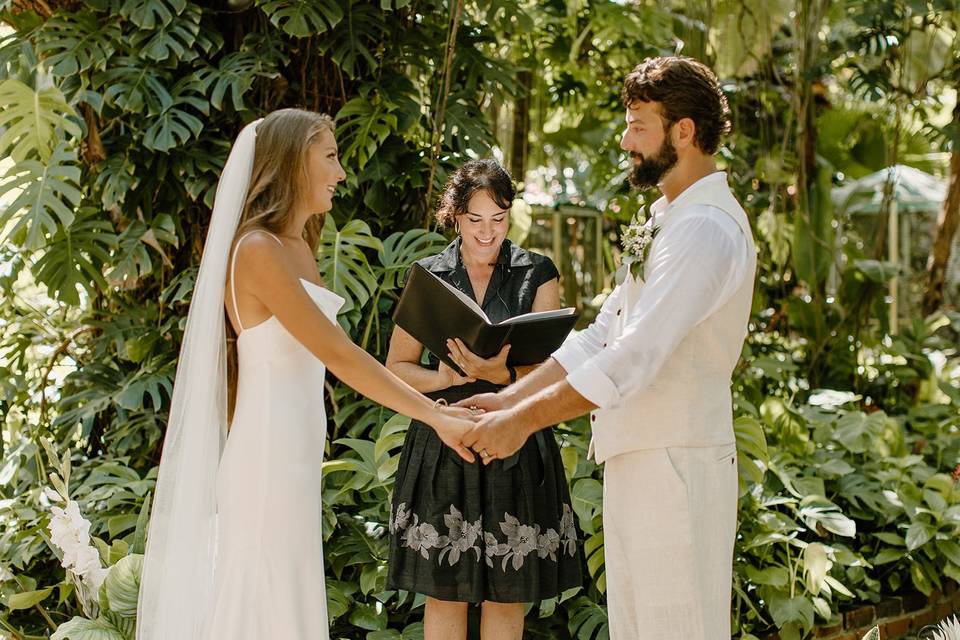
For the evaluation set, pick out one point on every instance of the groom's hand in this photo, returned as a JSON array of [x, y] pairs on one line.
[[496, 435], [484, 402]]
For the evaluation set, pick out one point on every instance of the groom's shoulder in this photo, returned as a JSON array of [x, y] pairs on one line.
[[708, 216]]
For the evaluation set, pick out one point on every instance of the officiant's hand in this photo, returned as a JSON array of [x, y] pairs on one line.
[[491, 369], [495, 436], [450, 378], [452, 426]]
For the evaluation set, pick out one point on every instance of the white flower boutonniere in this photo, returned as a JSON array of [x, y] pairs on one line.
[[636, 239]]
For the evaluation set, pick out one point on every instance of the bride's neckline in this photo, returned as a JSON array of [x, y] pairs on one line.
[[320, 287]]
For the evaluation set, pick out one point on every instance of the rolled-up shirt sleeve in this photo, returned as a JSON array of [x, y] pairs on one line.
[[583, 345], [695, 266]]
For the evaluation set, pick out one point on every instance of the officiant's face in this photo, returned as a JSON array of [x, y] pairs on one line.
[[323, 172], [647, 139], [483, 227]]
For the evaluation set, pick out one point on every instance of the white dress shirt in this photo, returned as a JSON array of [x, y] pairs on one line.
[[696, 262]]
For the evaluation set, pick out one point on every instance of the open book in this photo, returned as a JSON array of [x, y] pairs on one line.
[[432, 311]]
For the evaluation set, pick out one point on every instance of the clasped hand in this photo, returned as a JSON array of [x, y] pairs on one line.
[[472, 428]]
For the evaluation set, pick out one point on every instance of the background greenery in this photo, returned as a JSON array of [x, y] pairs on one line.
[[117, 116]]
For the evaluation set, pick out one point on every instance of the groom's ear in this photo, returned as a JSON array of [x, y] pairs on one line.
[[685, 133]]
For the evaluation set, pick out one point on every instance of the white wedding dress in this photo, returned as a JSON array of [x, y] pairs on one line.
[[269, 575]]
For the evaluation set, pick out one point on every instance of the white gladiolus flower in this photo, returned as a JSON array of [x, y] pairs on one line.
[[70, 532]]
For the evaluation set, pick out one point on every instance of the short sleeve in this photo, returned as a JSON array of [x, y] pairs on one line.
[[544, 271]]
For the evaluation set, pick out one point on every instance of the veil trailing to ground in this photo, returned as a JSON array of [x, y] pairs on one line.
[[176, 587]]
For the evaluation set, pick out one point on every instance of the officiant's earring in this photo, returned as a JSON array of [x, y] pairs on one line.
[[456, 227]]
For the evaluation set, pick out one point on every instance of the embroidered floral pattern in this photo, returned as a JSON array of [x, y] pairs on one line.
[[464, 536]]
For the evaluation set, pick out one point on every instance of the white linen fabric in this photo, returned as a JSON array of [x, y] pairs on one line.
[[658, 359], [669, 522], [657, 362]]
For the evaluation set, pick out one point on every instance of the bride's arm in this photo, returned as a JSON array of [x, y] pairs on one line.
[[263, 271]]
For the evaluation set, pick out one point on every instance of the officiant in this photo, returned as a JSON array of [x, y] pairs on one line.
[[499, 535]]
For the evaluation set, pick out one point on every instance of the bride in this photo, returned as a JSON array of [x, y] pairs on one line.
[[235, 548]]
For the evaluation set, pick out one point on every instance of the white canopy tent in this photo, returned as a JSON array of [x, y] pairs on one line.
[[913, 192]]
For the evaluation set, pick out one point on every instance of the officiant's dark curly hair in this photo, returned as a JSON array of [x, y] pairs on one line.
[[685, 88], [471, 177]]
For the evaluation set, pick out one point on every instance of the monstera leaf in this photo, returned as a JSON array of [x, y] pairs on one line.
[[173, 40], [364, 125], [75, 257], [302, 18], [232, 78], [344, 264], [150, 14], [134, 87], [588, 620], [73, 43], [351, 46], [48, 195], [30, 119], [400, 250]]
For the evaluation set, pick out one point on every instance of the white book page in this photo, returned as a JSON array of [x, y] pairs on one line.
[[537, 315], [467, 300]]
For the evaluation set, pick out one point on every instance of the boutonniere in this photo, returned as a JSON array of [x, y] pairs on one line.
[[636, 239]]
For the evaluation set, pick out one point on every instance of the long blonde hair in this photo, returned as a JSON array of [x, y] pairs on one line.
[[278, 184]]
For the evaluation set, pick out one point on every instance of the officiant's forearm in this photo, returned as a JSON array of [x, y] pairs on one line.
[[417, 376], [550, 406]]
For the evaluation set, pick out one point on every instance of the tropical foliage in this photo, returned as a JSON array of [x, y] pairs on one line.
[[116, 117]]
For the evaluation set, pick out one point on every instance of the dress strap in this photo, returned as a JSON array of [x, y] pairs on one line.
[[233, 264]]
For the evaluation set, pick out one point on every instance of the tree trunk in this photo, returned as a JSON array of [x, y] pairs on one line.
[[521, 127], [947, 223]]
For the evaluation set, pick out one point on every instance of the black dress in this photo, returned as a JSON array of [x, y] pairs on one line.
[[468, 532]]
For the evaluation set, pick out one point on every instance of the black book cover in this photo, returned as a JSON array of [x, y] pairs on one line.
[[433, 311]]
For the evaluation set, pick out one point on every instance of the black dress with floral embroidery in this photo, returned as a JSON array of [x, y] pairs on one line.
[[468, 532]]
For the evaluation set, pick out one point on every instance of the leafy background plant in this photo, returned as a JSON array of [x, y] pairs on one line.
[[117, 116]]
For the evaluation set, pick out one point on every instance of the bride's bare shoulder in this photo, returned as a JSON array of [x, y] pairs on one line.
[[261, 256], [258, 244]]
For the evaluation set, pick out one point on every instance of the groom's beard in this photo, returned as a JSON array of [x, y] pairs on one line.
[[649, 171]]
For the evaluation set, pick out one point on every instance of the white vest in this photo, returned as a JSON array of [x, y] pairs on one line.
[[688, 403]]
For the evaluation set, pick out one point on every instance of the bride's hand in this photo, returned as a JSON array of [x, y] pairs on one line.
[[451, 429]]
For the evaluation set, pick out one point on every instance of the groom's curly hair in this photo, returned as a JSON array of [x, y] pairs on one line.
[[684, 88]]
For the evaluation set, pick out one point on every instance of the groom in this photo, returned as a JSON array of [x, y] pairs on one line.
[[654, 369]]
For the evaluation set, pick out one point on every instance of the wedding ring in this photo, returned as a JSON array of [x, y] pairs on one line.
[[484, 453]]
